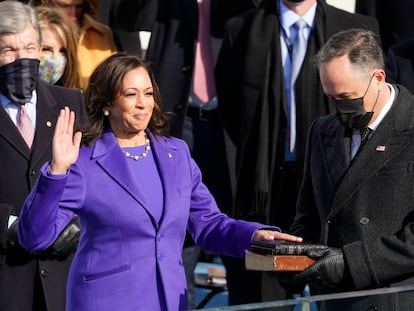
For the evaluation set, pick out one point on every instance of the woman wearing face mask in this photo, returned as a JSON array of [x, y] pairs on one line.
[[58, 60], [95, 42]]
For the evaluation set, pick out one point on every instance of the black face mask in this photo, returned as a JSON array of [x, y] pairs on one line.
[[351, 112], [18, 79]]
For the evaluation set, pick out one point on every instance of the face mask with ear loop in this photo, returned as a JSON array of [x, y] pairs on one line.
[[351, 112], [52, 68]]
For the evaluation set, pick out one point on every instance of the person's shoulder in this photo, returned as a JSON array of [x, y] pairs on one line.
[[326, 121], [91, 24], [58, 89], [262, 8], [351, 19], [172, 141], [404, 48]]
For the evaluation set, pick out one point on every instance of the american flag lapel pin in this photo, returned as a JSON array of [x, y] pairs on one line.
[[380, 148]]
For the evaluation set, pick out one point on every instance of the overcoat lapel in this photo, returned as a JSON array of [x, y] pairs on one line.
[[11, 134], [336, 154], [47, 114]]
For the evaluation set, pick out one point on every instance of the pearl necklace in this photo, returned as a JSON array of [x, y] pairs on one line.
[[142, 155]]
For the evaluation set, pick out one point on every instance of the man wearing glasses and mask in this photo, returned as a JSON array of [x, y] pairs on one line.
[[358, 187]]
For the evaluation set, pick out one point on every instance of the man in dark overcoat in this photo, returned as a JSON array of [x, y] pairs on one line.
[[358, 188], [28, 282]]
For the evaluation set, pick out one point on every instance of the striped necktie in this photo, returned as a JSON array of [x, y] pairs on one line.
[[365, 131]]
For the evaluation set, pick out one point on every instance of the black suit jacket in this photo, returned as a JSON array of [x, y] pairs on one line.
[[364, 207], [251, 94], [400, 64], [19, 171], [172, 46], [394, 17]]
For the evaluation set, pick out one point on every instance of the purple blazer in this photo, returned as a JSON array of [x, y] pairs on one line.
[[125, 260]]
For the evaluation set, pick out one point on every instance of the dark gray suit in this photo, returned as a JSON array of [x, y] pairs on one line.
[[364, 206], [400, 64]]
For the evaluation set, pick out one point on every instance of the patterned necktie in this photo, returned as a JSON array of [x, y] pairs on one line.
[[25, 126], [298, 55], [203, 79], [365, 131]]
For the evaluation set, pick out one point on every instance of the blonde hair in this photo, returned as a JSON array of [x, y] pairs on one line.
[[56, 19]]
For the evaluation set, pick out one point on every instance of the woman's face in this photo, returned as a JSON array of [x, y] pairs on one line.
[[131, 111], [74, 8], [52, 44], [52, 57]]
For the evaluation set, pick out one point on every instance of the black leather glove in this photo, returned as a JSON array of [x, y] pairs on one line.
[[67, 241], [327, 272]]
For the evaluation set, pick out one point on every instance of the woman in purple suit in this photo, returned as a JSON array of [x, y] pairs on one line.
[[135, 191]]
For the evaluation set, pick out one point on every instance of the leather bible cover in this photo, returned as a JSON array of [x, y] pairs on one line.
[[268, 262]]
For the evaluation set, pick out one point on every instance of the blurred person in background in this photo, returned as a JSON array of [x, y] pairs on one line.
[[127, 41], [95, 42], [58, 58], [399, 64], [395, 19]]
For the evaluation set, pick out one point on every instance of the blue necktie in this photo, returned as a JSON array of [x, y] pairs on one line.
[[298, 55]]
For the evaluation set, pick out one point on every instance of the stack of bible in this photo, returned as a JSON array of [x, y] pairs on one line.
[[281, 256]]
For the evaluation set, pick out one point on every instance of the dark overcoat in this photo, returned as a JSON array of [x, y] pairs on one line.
[[364, 206]]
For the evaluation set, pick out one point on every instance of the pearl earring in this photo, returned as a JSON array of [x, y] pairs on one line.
[[106, 113]]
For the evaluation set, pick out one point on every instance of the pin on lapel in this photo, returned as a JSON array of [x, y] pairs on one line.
[[49, 124], [169, 155], [380, 148]]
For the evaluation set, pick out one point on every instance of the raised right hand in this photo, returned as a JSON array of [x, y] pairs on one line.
[[65, 144]]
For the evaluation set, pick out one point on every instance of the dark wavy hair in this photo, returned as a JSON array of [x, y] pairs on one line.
[[105, 84]]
